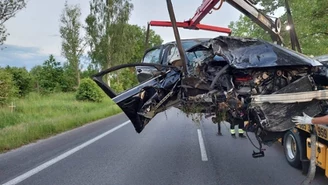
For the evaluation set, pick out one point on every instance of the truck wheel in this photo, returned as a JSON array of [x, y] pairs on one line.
[[292, 148]]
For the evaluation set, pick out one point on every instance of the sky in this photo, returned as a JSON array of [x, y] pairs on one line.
[[34, 31]]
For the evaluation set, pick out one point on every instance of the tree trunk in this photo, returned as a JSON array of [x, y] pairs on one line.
[[78, 78], [108, 76], [77, 71], [38, 86], [108, 56]]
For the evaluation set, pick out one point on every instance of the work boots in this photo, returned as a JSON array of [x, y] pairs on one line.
[[242, 135]]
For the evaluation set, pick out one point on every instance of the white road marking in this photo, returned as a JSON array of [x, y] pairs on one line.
[[62, 156], [202, 146]]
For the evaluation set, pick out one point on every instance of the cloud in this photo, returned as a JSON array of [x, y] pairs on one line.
[[21, 56], [33, 37]]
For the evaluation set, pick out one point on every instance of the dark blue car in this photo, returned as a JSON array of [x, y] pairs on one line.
[[223, 74]]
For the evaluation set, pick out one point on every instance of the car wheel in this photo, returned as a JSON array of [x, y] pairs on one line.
[[292, 148]]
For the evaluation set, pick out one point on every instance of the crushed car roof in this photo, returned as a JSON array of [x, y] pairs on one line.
[[245, 53]]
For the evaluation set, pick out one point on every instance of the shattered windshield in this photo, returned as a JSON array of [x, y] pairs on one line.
[[191, 56], [197, 55]]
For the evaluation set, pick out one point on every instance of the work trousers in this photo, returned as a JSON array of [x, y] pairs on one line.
[[240, 124]]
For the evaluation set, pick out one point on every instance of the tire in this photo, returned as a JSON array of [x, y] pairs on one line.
[[292, 148]]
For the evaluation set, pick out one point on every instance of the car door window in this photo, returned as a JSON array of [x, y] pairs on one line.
[[152, 56], [172, 54]]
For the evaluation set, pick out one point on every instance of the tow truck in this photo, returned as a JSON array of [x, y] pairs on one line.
[[296, 141]]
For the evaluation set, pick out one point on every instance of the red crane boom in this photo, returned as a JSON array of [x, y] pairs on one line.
[[202, 11], [194, 22], [186, 25], [244, 6]]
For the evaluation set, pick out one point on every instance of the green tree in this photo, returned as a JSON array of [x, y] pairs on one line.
[[72, 42], [49, 76], [111, 39], [68, 83], [129, 78], [123, 79], [8, 9], [7, 86], [22, 80], [134, 45], [91, 70], [154, 39], [309, 20], [105, 25], [35, 73], [131, 51], [269, 6], [245, 27]]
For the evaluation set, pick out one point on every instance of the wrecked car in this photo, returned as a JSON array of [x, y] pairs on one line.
[[227, 77]]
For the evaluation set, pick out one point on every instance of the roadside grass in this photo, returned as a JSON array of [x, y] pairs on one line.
[[36, 117]]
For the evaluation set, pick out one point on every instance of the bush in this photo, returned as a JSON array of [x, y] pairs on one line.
[[22, 80], [89, 91], [7, 87], [52, 77]]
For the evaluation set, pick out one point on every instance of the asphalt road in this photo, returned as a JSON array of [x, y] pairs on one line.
[[166, 152]]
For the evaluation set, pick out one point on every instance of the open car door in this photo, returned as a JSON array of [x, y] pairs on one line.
[[140, 101]]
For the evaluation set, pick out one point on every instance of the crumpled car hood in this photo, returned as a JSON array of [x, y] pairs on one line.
[[244, 53]]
